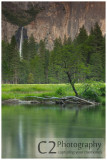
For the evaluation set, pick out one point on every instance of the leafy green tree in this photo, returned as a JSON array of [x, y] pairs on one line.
[[82, 47], [70, 62], [32, 47], [98, 35], [97, 54], [5, 62], [10, 57], [42, 48], [57, 43], [25, 50], [46, 65], [24, 71], [81, 44], [37, 69], [30, 78], [15, 59], [55, 75], [44, 57], [82, 36], [96, 66], [103, 59]]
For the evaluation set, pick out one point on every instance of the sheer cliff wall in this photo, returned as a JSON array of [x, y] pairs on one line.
[[57, 19]]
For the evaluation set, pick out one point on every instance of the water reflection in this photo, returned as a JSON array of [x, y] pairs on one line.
[[21, 125], [20, 134]]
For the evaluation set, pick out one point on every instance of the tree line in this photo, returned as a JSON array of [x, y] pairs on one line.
[[68, 62]]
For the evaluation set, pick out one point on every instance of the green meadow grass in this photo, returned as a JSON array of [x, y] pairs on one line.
[[21, 91]]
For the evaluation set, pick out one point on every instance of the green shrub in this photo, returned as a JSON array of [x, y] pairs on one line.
[[103, 101], [60, 91], [102, 91], [92, 95]]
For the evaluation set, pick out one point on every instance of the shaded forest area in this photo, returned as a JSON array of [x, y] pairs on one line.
[[69, 61]]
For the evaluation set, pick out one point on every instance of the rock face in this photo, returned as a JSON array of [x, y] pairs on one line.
[[57, 19], [8, 30]]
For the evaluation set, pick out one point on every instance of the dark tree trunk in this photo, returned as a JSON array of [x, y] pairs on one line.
[[72, 84]]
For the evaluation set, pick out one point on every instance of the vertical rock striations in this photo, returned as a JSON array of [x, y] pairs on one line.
[[58, 19]]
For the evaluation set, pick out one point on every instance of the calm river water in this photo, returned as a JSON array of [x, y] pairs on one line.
[[22, 124]]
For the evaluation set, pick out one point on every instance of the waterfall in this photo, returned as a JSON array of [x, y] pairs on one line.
[[21, 41]]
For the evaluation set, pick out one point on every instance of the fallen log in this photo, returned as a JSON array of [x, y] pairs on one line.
[[64, 100]]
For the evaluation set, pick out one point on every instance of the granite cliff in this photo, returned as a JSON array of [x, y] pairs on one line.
[[51, 20]]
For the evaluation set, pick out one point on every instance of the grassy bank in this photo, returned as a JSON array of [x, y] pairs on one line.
[[94, 91]]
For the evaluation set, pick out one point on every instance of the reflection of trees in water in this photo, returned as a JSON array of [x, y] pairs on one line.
[[73, 121], [91, 123], [59, 122], [103, 112]]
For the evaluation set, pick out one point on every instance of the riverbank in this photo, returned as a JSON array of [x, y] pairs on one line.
[[52, 101], [27, 92]]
